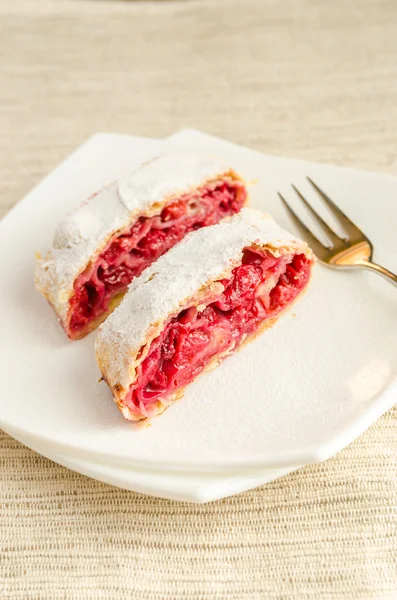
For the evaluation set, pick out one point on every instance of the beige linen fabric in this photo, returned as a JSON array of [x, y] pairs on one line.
[[316, 80]]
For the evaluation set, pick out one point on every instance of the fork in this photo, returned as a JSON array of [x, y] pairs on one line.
[[354, 250]]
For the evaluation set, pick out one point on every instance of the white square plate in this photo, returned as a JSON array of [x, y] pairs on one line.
[[297, 394]]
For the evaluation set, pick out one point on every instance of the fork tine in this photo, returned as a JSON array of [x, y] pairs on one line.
[[331, 235], [317, 247], [350, 228]]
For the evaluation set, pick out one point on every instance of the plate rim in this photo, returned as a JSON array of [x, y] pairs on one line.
[[309, 455], [219, 485]]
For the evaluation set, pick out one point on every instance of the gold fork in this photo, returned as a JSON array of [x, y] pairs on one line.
[[354, 250]]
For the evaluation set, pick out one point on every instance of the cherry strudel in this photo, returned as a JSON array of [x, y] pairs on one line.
[[118, 232], [217, 288]]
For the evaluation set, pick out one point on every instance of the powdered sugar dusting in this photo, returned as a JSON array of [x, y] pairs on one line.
[[166, 176], [81, 236], [201, 258]]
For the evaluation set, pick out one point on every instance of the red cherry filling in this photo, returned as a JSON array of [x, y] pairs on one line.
[[257, 290], [133, 250]]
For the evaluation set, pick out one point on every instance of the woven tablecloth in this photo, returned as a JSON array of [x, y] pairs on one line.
[[315, 80]]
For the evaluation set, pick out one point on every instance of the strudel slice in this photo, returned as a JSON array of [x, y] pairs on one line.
[[217, 288], [118, 232]]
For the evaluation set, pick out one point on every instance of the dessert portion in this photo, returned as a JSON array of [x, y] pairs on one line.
[[118, 232], [196, 305]]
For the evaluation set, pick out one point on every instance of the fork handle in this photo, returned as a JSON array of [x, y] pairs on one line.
[[378, 269]]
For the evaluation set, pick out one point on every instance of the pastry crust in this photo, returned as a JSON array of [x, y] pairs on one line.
[[84, 234], [187, 275]]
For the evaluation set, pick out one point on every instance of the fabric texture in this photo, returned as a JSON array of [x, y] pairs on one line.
[[315, 80]]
